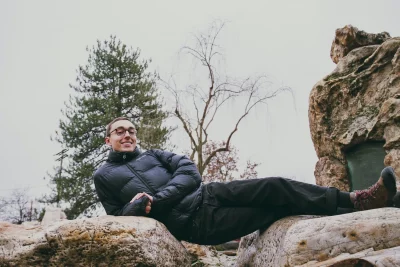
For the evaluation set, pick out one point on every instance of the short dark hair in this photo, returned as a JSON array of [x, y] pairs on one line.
[[108, 128]]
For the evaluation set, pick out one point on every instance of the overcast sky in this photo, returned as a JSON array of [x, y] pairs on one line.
[[42, 43]]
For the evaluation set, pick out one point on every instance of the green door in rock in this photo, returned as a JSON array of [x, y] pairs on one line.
[[365, 163]]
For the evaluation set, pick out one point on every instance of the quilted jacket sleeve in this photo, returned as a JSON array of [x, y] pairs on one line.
[[112, 206], [185, 179]]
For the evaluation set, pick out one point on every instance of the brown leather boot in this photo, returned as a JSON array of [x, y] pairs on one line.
[[380, 194]]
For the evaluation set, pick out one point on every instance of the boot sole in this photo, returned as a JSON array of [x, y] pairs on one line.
[[389, 179], [396, 200]]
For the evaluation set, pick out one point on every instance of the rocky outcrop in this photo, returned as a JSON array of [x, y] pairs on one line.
[[349, 38], [101, 241], [369, 237], [358, 102]]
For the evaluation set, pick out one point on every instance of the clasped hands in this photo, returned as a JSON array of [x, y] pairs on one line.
[[148, 204]]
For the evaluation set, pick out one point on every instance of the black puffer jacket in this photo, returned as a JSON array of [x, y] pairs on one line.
[[173, 181]]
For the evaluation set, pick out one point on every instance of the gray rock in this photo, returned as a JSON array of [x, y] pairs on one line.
[[53, 215], [301, 240], [101, 241]]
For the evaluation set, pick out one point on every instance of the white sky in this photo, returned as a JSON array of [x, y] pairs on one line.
[[43, 42]]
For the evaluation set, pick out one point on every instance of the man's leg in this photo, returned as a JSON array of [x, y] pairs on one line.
[[272, 193], [301, 198]]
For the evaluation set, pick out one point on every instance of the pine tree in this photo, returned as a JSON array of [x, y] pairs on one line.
[[112, 84]]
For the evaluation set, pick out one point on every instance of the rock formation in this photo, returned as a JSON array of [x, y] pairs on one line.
[[101, 241], [358, 102], [369, 237], [349, 38]]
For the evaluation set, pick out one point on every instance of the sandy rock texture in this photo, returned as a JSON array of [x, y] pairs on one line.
[[371, 236], [101, 241], [366, 258], [208, 256]]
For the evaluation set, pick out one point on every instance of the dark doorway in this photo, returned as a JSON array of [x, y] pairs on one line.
[[364, 164]]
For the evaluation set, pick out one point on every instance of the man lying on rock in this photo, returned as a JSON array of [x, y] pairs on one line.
[[167, 187]]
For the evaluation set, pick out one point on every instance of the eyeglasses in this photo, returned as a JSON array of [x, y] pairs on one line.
[[120, 131]]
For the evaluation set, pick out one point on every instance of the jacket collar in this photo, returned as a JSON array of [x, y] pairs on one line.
[[117, 156]]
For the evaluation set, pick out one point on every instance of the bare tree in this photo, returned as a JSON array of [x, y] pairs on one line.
[[224, 166], [2, 205], [18, 208], [206, 103]]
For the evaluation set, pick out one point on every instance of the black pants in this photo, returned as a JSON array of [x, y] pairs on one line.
[[235, 209]]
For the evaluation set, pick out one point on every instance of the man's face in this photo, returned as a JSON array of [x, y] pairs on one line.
[[121, 137]]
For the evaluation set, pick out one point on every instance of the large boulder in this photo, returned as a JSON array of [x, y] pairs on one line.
[[101, 241], [357, 103], [370, 237]]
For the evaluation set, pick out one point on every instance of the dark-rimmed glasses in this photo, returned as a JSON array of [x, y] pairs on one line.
[[120, 131]]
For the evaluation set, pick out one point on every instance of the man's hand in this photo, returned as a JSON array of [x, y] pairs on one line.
[[148, 205]]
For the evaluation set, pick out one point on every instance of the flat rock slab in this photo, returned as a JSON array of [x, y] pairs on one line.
[[101, 241], [302, 240]]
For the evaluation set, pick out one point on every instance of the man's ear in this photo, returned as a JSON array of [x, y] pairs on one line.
[[108, 141]]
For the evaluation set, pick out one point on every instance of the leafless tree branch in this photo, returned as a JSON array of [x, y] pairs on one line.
[[208, 103]]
